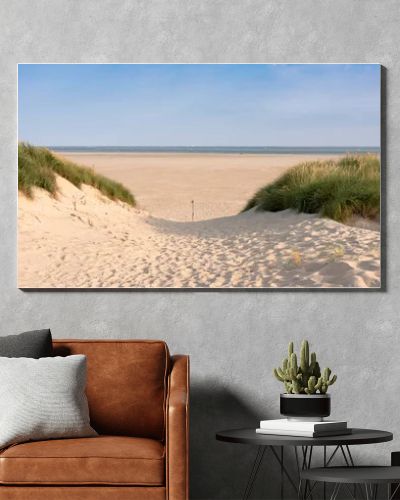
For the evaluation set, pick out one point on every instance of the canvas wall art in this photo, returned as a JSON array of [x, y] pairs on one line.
[[199, 176]]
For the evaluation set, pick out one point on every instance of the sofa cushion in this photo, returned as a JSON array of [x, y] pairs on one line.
[[103, 460], [126, 385], [34, 344]]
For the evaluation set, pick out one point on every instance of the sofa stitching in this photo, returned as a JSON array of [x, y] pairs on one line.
[[83, 458], [187, 361], [187, 419], [105, 341], [165, 390], [167, 431], [60, 483]]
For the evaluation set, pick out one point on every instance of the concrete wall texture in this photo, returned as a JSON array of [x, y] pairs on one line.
[[234, 338]]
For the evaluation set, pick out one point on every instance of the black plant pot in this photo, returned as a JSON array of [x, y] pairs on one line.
[[309, 406]]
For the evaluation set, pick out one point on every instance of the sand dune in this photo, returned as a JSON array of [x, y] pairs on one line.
[[82, 239]]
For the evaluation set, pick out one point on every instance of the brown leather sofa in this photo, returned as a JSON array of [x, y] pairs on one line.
[[139, 400]]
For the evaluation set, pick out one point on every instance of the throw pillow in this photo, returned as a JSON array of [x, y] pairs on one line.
[[43, 399], [34, 344]]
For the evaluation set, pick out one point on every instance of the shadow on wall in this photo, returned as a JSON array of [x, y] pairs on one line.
[[220, 470]]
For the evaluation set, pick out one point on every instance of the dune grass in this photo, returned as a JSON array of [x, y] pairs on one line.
[[335, 189], [37, 167]]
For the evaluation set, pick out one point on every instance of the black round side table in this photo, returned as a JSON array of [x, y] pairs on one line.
[[370, 477], [303, 451]]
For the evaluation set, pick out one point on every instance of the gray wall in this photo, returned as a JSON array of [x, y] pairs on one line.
[[234, 339]]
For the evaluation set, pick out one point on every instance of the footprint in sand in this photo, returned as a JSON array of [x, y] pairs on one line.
[[337, 268], [369, 265]]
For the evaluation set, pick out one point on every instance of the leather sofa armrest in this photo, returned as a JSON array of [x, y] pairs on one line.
[[177, 431]]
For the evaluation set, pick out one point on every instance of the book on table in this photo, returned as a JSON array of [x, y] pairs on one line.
[[303, 428], [312, 434]]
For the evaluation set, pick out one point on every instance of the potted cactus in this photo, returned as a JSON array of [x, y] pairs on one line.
[[306, 386]]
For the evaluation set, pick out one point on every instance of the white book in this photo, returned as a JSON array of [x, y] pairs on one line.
[[303, 425], [311, 434]]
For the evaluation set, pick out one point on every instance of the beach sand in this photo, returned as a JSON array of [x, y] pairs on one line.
[[82, 239], [164, 184]]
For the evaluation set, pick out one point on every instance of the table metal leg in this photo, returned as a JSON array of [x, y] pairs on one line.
[[299, 490], [367, 492], [297, 461], [335, 491], [253, 474], [349, 454], [279, 456], [332, 456], [390, 494], [344, 456], [371, 491], [284, 470], [351, 493], [307, 457], [308, 495], [324, 466], [304, 464], [282, 490], [350, 463]]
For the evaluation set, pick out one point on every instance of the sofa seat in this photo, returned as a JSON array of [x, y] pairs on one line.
[[102, 460]]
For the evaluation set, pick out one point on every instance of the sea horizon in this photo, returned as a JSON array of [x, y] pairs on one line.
[[219, 149]]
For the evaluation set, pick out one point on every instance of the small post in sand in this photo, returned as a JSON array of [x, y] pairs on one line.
[[192, 210]]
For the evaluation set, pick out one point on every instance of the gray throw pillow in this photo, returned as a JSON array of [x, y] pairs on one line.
[[43, 399], [34, 344]]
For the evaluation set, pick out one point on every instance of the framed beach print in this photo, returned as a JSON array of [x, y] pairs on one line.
[[199, 176]]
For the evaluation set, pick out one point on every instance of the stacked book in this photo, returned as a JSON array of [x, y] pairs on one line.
[[303, 428]]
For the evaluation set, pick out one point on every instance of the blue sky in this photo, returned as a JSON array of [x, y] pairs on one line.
[[199, 105]]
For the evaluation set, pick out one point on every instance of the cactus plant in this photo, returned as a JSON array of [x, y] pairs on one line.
[[305, 377]]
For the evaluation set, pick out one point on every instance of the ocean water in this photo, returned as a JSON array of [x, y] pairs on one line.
[[216, 150]]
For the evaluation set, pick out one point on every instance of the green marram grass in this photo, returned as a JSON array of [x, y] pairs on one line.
[[335, 189], [37, 167]]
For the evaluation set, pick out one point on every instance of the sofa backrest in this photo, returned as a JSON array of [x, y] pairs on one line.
[[126, 386]]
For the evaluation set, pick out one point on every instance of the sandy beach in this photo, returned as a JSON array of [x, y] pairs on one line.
[[164, 184], [83, 239]]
